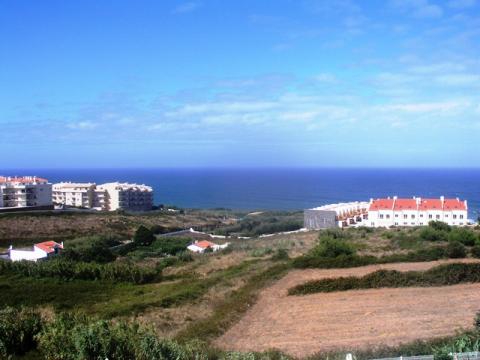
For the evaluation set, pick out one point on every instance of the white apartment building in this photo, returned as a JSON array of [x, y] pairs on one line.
[[27, 192], [108, 197], [74, 194], [416, 212], [127, 196]]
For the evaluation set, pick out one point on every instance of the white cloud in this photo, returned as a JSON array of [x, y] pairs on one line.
[[186, 7], [461, 4], [432, 107], [82, 125]]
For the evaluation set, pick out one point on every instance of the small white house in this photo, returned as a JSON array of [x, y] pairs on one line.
[[201, 246], [41, 250]]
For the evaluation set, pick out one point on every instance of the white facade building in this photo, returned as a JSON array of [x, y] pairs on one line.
[[416, 212], [40, 251], [74, 194], [127, 196], [108, 197], [336, 215], [27, 192]]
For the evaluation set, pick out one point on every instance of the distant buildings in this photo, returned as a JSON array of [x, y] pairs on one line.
[[27, 192], [40, 251], [388, 212], [205, 245], [108, 197]]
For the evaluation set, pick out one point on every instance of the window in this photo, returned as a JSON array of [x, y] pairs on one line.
[[454, 216], [405, 223], [413, 216], [396, 223], [461, 216], [413, 223], [381, 216], [388, 216], [437, 217], [446, 215], [396, 215], [405, 216], [430, 216], [421, 223], [421, 215]]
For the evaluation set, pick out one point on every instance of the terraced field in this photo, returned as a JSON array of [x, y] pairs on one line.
[[348, 320]]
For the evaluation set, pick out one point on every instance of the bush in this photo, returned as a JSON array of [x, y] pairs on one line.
[[440, 225], [456, 250], [171, 245], [143, 236], [448, 274], [18, 328], [462, 235], [330, 247], [280, 254], [432, 234], [476, 251], [69, 270]]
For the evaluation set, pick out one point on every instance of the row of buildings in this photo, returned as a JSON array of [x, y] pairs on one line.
[[35, 193], [388, 212]]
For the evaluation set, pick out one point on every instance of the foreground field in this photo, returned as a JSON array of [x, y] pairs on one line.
[[304, 325]]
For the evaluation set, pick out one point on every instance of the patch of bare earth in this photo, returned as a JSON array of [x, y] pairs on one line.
[[349, 320]]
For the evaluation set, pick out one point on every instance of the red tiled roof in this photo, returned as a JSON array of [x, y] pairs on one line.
[[430, 204], [405, 204], [411, 204], [381, 204], [204, 244], [22, 179], [454, 204], [48, 246]]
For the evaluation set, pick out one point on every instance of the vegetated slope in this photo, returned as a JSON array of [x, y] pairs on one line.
[[24, 228], [302, 326]]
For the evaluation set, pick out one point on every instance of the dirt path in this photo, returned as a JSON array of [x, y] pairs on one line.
[[303, 325]]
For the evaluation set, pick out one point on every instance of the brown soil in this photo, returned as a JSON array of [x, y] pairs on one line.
[[348, 320]]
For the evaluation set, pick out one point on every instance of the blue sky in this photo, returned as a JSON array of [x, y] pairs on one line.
[[149, 83]]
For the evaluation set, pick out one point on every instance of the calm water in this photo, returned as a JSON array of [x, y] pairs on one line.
[[282, 189]]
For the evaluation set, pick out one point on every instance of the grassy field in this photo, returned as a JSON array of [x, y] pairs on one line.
[[200, 296]]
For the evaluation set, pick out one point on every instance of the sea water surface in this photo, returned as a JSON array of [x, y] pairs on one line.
[[281, 188]]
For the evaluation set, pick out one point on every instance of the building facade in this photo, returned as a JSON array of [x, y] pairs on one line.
[[416, 212], [107, 197], [125, 196], [74, 194], [25, 193], [388, 212], [40, 251], [336, 215]]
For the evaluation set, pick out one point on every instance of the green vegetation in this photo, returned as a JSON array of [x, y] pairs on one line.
[[264, 223], [18, 328], [233, 307], [163, 246], [71, 270], [91, 249], [448, 274], [143, 236]]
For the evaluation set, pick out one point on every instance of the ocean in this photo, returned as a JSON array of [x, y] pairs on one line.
[[281, 188]]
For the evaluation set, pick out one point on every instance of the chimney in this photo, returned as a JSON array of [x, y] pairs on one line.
[[395, 197], [442, 199], [61, 244]]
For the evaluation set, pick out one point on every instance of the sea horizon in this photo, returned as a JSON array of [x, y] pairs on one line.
[[278, 188]]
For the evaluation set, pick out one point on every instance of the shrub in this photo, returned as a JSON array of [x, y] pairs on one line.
[[171, 245], [143, 236], [330, 247], [439, 225], [455, 250], [476, 251], [476, 322], [432, 234], [448, 274], [280, 254], [462, 235], [69, 270], [18, 328]]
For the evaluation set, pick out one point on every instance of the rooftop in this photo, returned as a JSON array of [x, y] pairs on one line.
[[22, 180]]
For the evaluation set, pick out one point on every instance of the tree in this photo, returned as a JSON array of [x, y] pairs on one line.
[[143, 236]]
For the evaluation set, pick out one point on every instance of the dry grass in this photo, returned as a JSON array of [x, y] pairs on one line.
[[351, 320]]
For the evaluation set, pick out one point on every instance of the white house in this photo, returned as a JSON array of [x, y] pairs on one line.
[[201, 246], [41, 250]]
